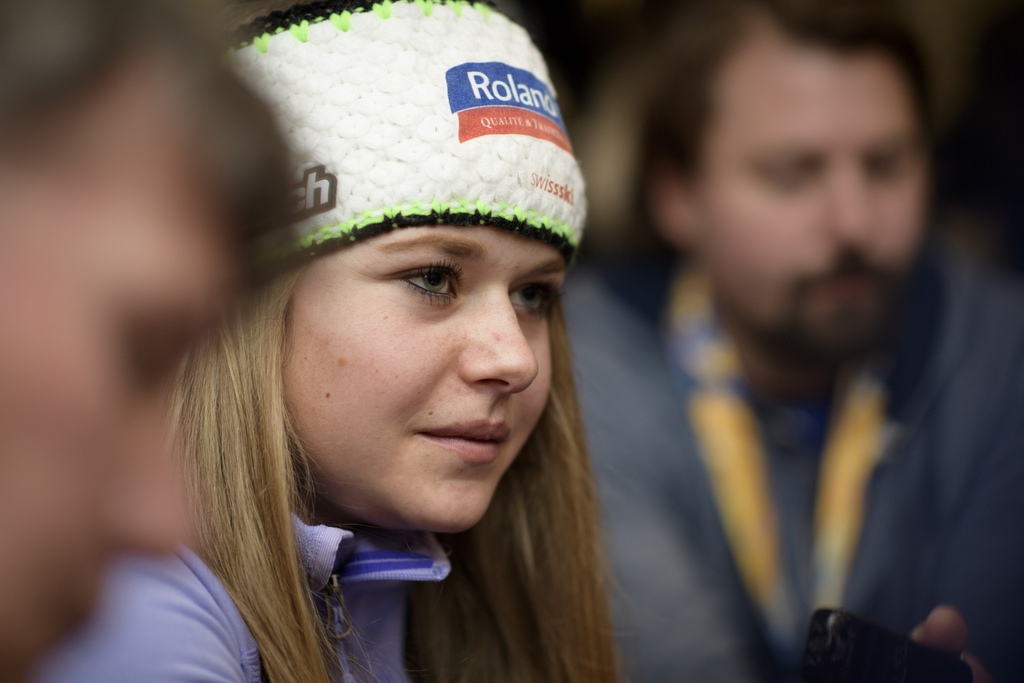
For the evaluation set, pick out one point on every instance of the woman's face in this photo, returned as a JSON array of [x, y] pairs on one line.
[[418, 363]]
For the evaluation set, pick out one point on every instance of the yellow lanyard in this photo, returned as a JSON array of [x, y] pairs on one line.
[[731, 447]]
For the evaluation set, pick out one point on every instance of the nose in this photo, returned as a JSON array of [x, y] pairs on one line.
[[144, 504], [850, 210], [497, 353]]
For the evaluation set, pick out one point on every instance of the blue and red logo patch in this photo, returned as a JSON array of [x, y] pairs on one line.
[[492, 98]]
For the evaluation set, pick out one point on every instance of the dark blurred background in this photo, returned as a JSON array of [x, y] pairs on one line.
[[976, 56]]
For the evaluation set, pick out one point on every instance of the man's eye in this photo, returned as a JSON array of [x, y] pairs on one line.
[[884, 166], [790, 175], [787, 179]]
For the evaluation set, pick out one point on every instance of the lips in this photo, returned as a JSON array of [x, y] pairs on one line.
[[848, 288], [473, 442]]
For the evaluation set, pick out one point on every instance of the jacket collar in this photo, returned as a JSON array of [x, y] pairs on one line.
[[368, 554]]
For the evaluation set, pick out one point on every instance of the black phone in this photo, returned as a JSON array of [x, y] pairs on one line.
[[843, 648]]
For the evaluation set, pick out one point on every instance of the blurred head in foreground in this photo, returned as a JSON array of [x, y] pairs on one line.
[[787, 154], [132, 163]]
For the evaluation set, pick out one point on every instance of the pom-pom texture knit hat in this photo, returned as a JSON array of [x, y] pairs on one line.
[[414, 113]]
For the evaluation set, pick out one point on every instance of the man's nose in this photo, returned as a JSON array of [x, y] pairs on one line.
[[849, 206], [497, 352]]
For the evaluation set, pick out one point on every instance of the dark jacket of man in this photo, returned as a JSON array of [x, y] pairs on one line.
[[944, 516]]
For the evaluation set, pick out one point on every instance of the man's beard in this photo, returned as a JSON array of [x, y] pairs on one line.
[[844, 331]]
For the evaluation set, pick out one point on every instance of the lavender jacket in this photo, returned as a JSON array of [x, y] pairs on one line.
[[170, 620]]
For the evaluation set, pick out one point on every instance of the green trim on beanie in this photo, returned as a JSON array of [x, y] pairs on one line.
[[342, 20]]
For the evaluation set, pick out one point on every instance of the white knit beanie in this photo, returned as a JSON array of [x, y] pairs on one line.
[[414, 113]]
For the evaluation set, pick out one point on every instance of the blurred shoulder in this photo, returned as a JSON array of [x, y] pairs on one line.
[[161, 619], [986, 306]]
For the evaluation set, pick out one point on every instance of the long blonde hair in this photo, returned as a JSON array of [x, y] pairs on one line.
[[526, 599]]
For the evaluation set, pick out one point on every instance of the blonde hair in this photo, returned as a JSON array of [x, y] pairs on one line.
[[526, 599]]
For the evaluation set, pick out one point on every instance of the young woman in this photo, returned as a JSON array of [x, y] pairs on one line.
[[383, 450]]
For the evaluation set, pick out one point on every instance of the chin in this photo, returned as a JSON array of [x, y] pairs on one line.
[[850, 334], [452, 523], [451, 514]]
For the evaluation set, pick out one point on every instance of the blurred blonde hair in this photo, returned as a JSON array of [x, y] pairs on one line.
[[526, 599]]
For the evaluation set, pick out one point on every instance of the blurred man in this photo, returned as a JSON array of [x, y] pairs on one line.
[[131, 163], [803, 405]]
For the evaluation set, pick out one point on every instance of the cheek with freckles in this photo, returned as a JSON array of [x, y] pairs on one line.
[[529, 405], [359, 373]]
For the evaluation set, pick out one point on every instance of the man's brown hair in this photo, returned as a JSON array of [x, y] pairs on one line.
[[701, 37]]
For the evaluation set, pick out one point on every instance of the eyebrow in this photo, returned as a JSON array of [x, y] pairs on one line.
[[448, 245], [553, 267], [465, 249]]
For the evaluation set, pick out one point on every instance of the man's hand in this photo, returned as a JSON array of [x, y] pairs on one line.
[[945, 629]]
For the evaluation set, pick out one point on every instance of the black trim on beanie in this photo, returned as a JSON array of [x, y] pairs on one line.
[[440, 218], [310, 11], [270, 265]]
